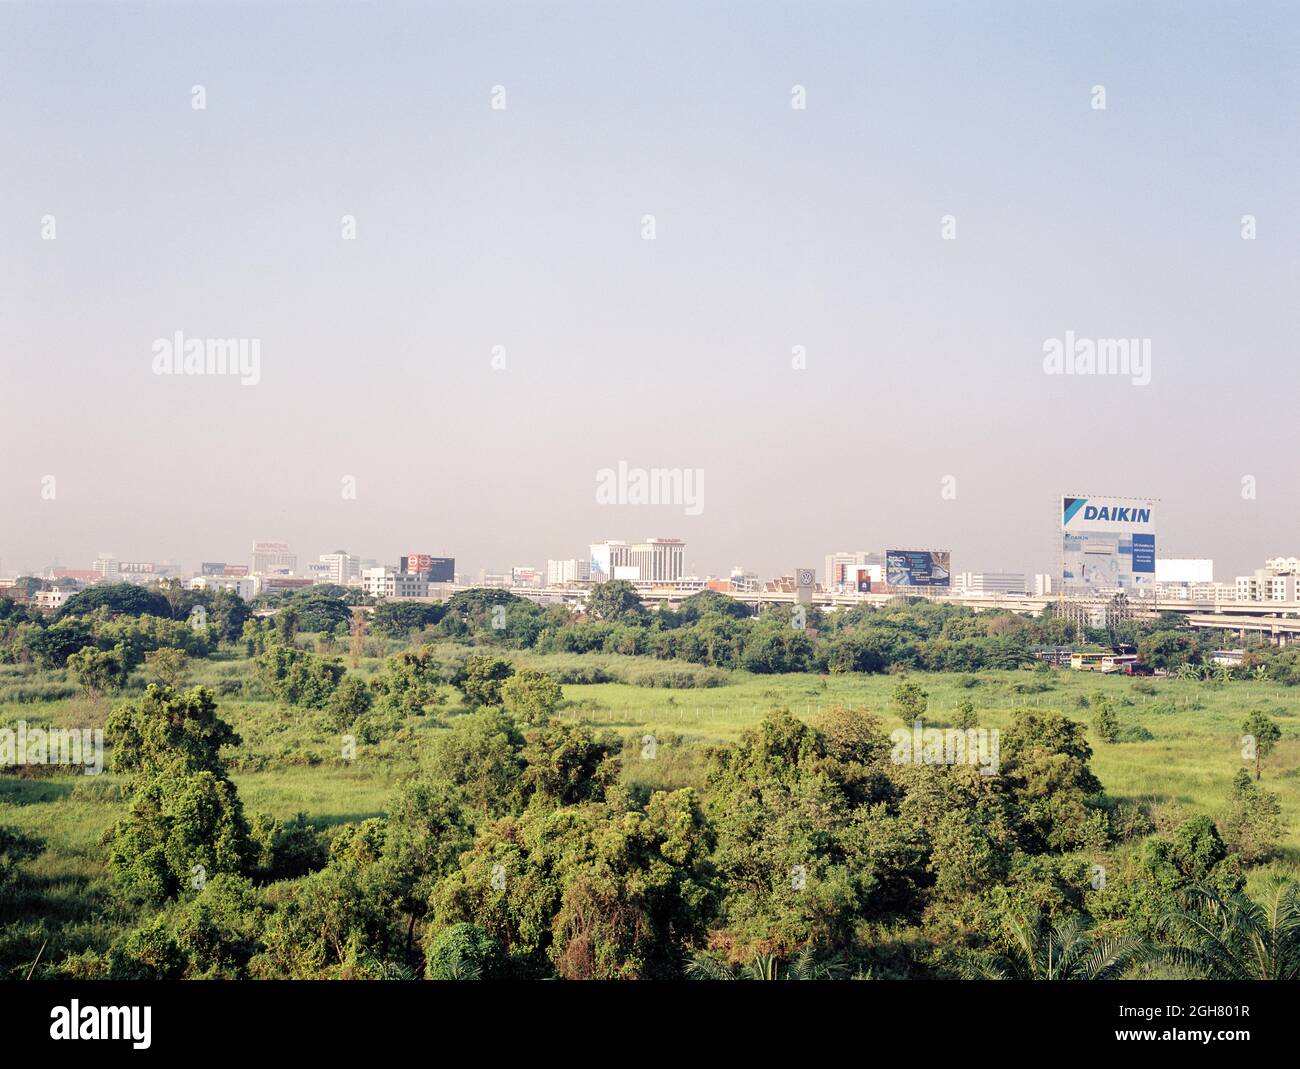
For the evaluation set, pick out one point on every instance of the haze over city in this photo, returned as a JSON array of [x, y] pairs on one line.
[[775, 229]]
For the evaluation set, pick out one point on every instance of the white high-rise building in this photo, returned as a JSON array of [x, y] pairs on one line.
[[1278, 580], [659, 559], [343, 568], [605, 557], [560, 572]]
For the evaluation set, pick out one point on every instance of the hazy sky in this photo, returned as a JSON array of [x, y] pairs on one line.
[[522, 228]]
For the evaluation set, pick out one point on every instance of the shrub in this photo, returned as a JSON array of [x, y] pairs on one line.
[[463, 951]]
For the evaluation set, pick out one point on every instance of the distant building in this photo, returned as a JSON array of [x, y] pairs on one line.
[[605, 557], [563, 572], [1231, 658], [840, 571], [1264, 587], [1276, 581], [1042, 585], [141, 572], [991, 584], [51, 599], [81, 575], [741, 581], [343, 568], [243, 585], [273, 558], [1216, 592], [389, 583], [272, 584], [525, 576], [659, 559]]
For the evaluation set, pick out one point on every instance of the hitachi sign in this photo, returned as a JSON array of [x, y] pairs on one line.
[[1117, 515]]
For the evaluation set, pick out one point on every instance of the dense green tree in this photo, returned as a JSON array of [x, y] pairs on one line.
[[185, 821], [182, 828], [298, 677], [1168, 649], [564, 764], [97, 671], [1252, 825], [16, 847], [350, 700], [166, 666], [910, 700], [1104, 720], [397, 619], [482, 677], [462, 952], [590, 891], [120, 599], [614, 601], [481, 756], [165, 728], [410, 681], [531, 696]]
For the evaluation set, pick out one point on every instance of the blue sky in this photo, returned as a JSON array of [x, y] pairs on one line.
[[521, 228]]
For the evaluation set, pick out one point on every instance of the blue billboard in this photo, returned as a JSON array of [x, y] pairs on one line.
[[917, 567]]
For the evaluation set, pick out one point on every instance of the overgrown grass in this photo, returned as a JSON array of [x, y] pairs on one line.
[[666, 713]]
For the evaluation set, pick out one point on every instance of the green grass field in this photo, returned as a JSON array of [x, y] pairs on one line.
[[291, 761]]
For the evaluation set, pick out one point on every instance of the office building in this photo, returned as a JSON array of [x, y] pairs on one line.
[[659, 559], [342, 568], [563, 572], [273, 558], [605, 557], [991, 584], [243, 585], [390, 583], [840, 575]]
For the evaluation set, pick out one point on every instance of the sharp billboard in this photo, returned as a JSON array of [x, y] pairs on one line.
[[917, 567], [1107, 543]]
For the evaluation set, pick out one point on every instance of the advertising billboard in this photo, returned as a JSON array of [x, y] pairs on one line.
[[442, 569], [861, 578], [918, 567], [434, 569], [1107, 543], [1183, 570]]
